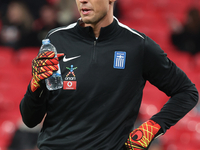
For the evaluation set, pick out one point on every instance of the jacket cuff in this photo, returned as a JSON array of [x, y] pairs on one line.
[[162, 130], [38, 95]]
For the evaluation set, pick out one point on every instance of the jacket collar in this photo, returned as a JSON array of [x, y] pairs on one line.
[[105, 32]]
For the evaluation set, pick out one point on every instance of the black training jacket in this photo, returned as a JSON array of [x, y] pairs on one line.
[[103, 81]]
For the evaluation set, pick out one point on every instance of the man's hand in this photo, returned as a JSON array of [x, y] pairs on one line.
[[140, 138], [42, 67]]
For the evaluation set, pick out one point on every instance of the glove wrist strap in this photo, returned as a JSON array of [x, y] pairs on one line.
[[141, 137]]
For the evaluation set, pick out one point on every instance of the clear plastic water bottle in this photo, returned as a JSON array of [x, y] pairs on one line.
[[55, 81]]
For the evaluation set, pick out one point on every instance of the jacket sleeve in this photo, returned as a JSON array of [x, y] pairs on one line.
[[33, 107], [160, 71]]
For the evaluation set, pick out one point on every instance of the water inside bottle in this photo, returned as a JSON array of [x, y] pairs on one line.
[[54, 82]]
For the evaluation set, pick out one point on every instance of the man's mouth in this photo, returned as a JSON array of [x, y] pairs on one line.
[[85, 11]]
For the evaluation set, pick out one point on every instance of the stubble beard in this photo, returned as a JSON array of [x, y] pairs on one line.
[[94, 21]]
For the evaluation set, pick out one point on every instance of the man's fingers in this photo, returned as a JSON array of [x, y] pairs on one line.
[[47, 68], [44, 75], [46, 62], [47, 58], [47, 54]]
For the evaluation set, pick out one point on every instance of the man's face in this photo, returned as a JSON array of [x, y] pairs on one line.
[[93, 11]]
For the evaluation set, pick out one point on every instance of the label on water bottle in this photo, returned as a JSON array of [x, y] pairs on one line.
[[58, 72]]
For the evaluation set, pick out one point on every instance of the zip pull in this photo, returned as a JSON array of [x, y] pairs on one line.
[[95, 42]]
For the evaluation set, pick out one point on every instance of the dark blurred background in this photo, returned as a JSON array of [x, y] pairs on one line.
[[173, 24]]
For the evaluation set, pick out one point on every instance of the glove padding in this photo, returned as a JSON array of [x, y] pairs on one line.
[[140, 138], [43, 66]]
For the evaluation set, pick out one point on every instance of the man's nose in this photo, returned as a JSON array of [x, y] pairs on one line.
[[83, 1]]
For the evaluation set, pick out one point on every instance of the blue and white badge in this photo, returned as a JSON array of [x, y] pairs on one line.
[[119, 60]]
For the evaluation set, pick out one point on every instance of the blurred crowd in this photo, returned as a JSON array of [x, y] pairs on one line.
[[186, 35], [24, 23]]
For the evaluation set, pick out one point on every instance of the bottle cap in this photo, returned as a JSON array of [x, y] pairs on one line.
[[45, 41]]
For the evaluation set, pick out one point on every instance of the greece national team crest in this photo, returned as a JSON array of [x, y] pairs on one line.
[[119, 60]]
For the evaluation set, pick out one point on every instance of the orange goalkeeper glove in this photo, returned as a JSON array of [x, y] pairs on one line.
[[42, 67], [140, 138]]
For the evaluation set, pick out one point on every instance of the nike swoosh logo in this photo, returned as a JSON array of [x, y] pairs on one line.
[[71, 58]]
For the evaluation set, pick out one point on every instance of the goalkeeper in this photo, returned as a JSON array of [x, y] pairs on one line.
[[97, 107]]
